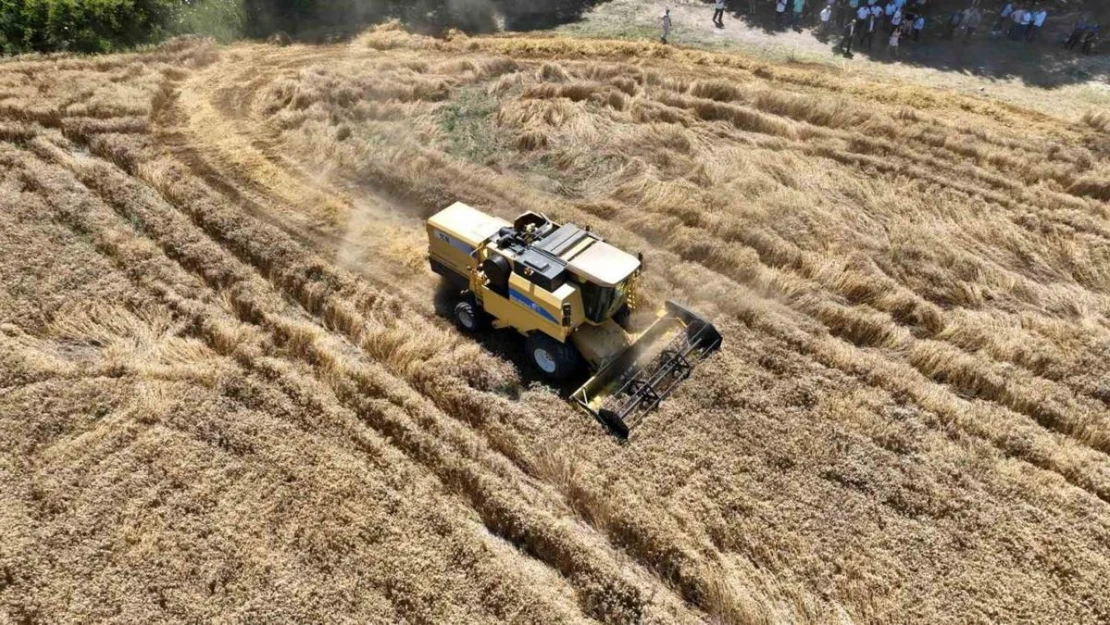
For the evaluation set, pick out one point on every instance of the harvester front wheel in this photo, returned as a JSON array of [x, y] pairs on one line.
[[469, 317], [555, 360]]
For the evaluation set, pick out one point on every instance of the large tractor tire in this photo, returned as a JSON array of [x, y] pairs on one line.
[[469, 316], [623, 316], [555, 360]]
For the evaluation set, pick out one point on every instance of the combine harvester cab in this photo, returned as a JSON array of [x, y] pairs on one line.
[[565, 290], [623, 390]]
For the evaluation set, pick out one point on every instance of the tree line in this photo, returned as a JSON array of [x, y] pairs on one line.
[[310, 17], [108, 25]]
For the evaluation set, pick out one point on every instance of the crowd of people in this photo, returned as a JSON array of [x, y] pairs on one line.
[[1024, 21], [860, 22]]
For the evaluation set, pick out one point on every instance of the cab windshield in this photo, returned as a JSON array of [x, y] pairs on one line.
[[602, 302]]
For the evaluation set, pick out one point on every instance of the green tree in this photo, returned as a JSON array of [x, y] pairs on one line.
[[81, 25]]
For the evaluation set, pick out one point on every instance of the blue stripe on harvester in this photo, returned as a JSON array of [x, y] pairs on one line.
[[455, 243], [516, 296]]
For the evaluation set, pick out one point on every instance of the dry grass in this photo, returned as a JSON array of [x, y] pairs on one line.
[[225, 392]]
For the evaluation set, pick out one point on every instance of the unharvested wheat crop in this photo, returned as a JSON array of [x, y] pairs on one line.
[[227, 391]]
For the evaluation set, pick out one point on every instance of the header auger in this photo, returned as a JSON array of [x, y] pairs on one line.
[[570, 294]]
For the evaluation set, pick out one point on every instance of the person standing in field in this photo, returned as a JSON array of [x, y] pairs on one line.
[[1038, 23], [780, 14], [796, 19], [666, 25], [1026, 24], [895, 21], [831, 5], [918, 26], [826, 16], [1090, 38], [862, 13], [1006, 12], [853, 10], [892, 46], [867, 30], [719, 13], [972, 19], [877, 13], [847, 37], [1015, 22], [954, 20], [1077, 31]]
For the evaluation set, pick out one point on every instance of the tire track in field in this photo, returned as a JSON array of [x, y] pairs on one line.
[[1054, 406], [140, 259], [269, 207], [273, 207], [602, 586], [1082, 469], [835, 354], [1046, 419], [870, 332], [209, 215], [692, 585], [890, 297]]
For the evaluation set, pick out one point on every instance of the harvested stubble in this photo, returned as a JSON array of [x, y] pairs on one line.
[[225, 395]]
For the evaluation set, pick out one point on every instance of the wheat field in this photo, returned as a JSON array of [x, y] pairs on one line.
[[229, 392]]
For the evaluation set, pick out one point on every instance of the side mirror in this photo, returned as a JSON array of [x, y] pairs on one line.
[[566, 314]]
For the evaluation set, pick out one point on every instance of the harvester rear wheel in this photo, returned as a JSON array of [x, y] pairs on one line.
[[469, 317], [555, 360], [622, 316]]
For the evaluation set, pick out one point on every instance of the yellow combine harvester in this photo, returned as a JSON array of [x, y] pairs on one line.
[[570, 294]]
